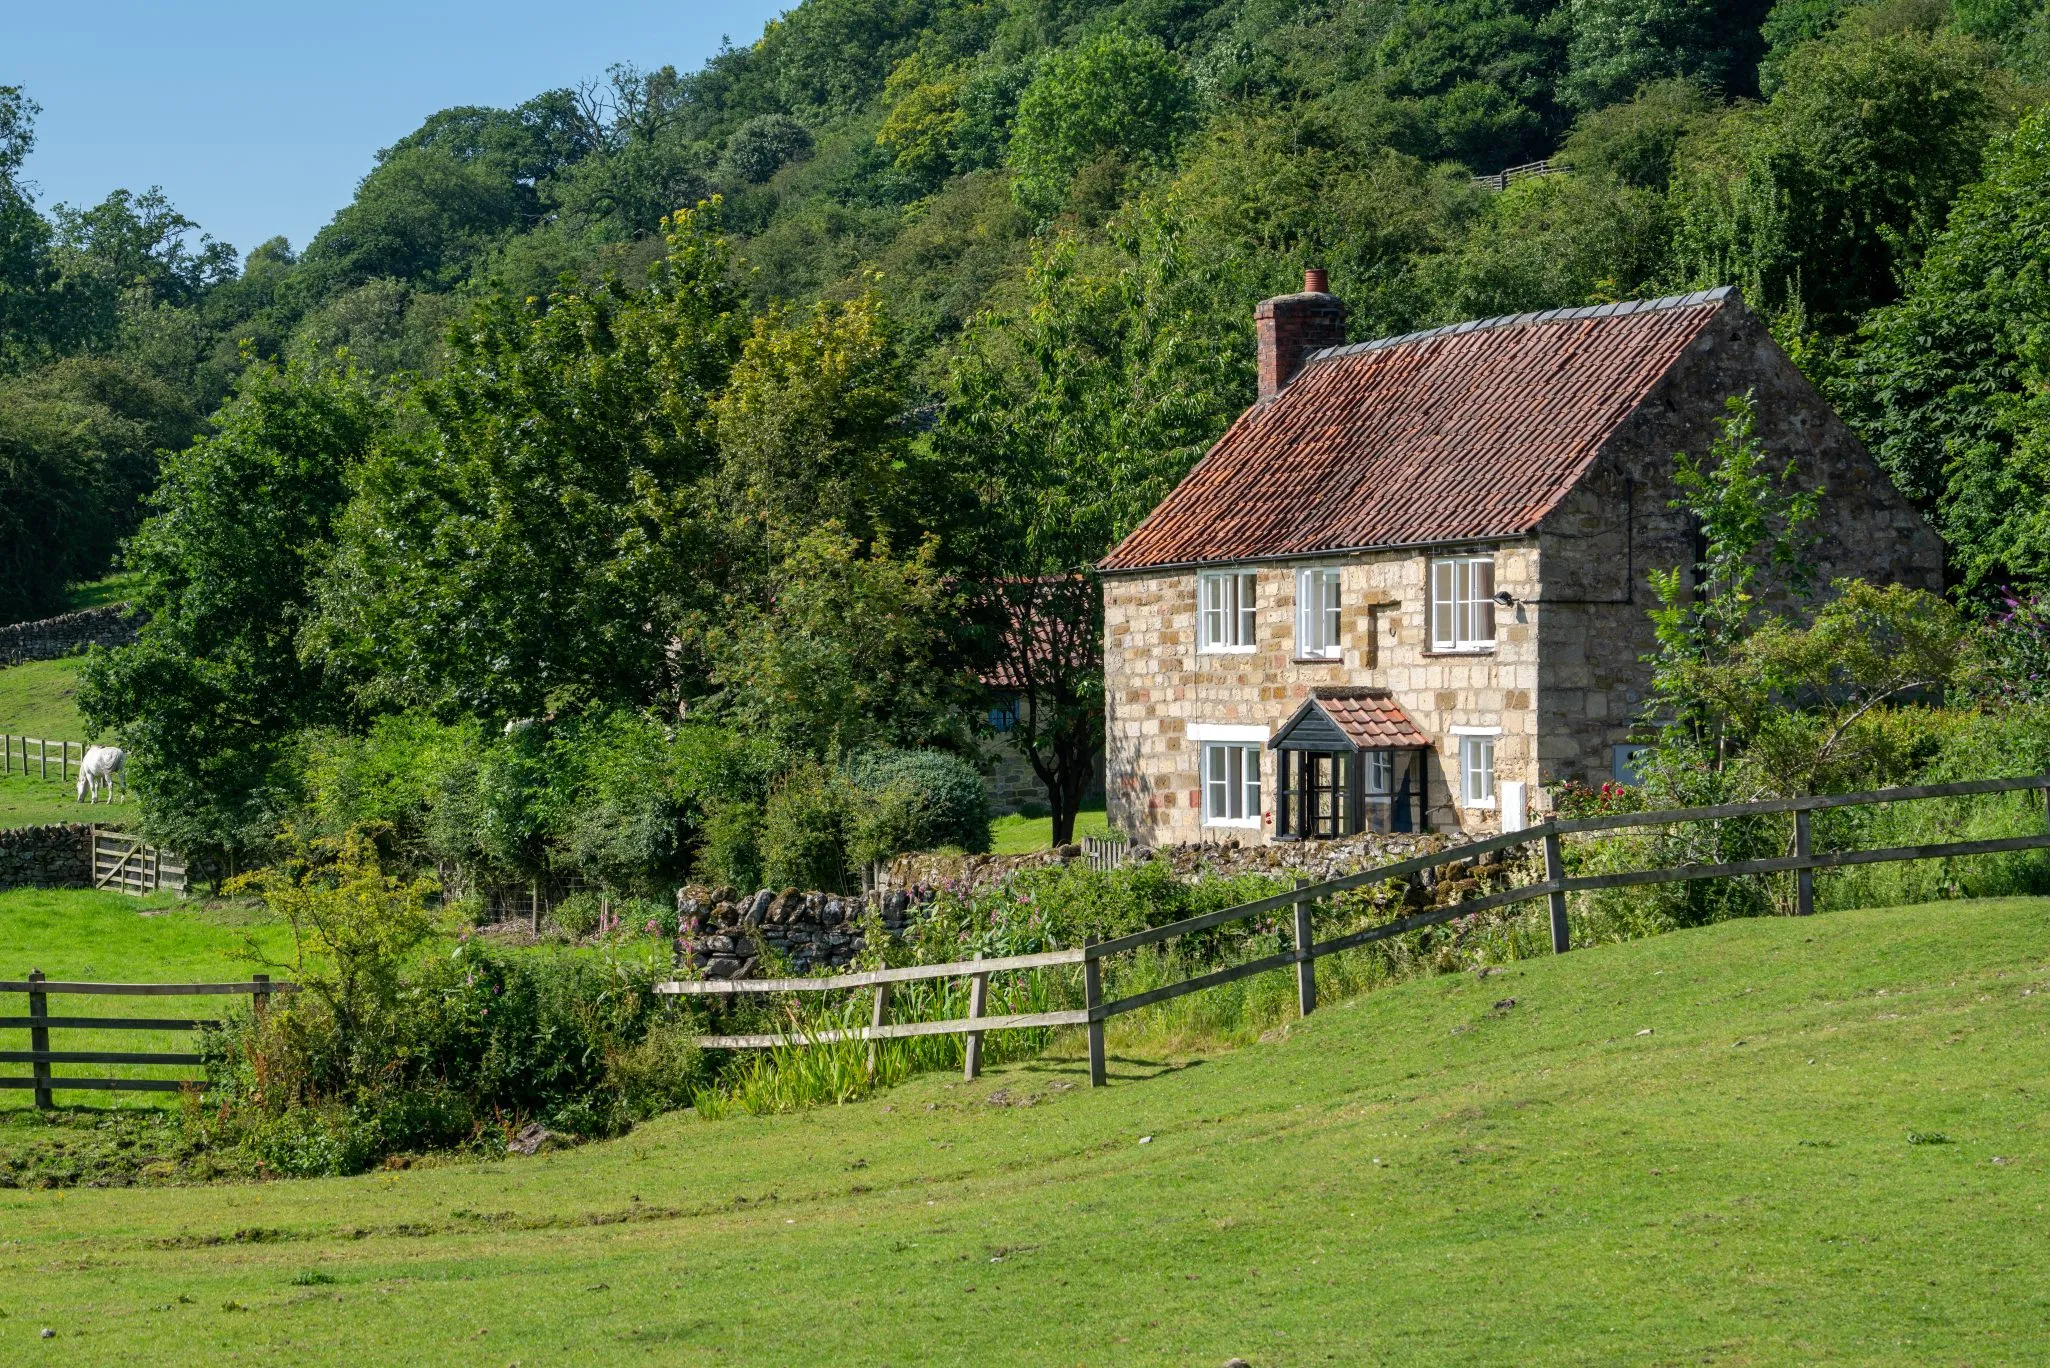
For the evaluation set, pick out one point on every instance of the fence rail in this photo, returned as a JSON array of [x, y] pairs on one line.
[[1553, 886], [13, 746], [1508, 176], [39, 1023], [126, 864]]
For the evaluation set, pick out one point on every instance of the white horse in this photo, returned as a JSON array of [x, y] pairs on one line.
[[97, 771]]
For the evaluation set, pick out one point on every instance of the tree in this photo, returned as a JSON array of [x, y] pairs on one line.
[[1947, 384], [535, 543], [208, 699], [1116, 95], [1749, 519], [1822, 199], [1620, 45]]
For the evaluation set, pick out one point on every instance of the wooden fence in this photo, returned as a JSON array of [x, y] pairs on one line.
[[1553, 886], [14, 747], [125, 864], [39, 1023], [1104, 852], [1503, 179]]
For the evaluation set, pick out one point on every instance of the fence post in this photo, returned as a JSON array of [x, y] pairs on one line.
[[1305, 967], [1804, 879], [978, 1001], [259, 998], [42, 759], [1555, 874], [39, 1037], [534, 907], [875, 1019], [1092, 998]]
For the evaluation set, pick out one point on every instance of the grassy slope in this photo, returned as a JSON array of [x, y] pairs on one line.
[[113, 938], [1416, 1176], [36, 699]]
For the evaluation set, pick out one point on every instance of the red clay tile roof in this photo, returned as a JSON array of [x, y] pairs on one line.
[[1370, 718], [1466, 433]]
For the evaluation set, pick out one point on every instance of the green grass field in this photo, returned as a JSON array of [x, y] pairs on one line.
[[114, 938], [1019, 835], [39, 699], [1818, 1141], [118, 588], [29, 801]]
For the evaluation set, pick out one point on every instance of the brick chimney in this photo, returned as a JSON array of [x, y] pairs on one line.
[[1290, 327]]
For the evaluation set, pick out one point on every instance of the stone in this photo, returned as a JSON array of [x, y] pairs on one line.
[[535, 1138]]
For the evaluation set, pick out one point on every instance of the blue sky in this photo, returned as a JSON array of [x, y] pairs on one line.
[[259, 119]]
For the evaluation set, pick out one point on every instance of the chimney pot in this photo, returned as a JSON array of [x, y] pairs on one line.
[[1315, 281]]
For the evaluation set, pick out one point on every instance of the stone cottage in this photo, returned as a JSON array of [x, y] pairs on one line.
[[1409, 587]]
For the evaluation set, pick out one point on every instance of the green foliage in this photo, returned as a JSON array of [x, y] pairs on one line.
[[517, 554], [730, 852], [1750, 520], [1946, 385], [1825, 195], [763, 146], [1117, 95], [806, 827], [915, 800], [206, 701], [1619, 46]]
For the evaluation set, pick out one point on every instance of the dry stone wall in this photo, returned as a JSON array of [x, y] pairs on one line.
[[725, 934], [1311, 861], [57, 856], [51, 638]]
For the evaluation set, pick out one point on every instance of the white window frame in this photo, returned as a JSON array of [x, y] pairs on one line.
[[1229, 772], [1477, 766], [1380, 775], [1319, 624], [1227, 611], [1462, 603]]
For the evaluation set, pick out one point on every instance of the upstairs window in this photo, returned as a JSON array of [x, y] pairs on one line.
[[1225, 615], [1463, 603], [1316, 615]]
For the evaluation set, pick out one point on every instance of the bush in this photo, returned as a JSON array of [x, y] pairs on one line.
[[763, 146], [731, 849], [805, 830], [916, 800], [578, 913]]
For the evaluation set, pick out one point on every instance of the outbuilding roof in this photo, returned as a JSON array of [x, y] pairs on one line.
[[1464, 433], [1349, 718]]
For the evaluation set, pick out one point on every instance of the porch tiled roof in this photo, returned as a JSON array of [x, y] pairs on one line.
[[1369, 718], [1466, 433]]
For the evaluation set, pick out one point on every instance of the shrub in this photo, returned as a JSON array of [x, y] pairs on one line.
[[764, 145], [730, 851], [916, 800], [578, 913], [805, 829]]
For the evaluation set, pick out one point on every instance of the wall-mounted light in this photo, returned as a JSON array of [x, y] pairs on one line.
[[1505, 598]]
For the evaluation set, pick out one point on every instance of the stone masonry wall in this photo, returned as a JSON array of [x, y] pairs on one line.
[[54, 637], [1605, 537], [1158, 685], [725, 933], [46, 856]]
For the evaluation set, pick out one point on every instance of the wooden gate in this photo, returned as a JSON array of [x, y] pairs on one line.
[[125, 864]]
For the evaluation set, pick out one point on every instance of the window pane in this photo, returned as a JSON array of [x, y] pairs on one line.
[[1211, 594], [1252, 754], [1247, 602], [1305, 613], [1213, 790], [1329, 607], [1484, 599], [1442, 599]]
